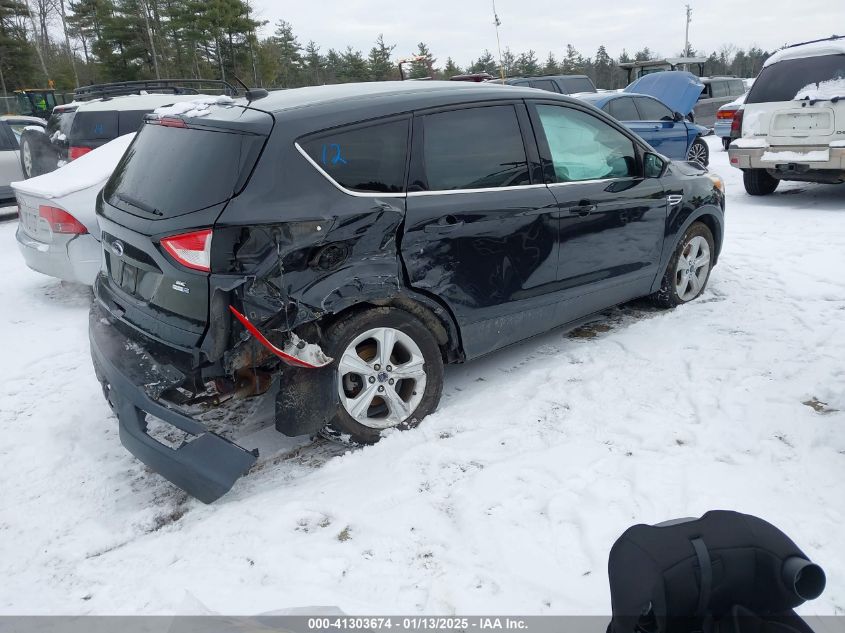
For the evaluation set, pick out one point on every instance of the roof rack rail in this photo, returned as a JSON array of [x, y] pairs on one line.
[[166, 86], [824, 39]]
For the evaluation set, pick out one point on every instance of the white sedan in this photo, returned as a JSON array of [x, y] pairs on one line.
[[58, 234]]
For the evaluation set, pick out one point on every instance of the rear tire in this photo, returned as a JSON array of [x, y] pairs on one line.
[[35, 153], [758, 182], [388, 373], [699, 152], [686, 277]]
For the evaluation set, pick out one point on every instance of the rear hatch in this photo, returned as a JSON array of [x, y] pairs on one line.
[[798, 101], [176, 178]]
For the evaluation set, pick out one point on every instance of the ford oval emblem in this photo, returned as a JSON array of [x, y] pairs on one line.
[[117, 248]]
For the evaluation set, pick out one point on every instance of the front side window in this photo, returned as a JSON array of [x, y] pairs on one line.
[[583, 147], [366, 159], [653, 110], [474, 148]]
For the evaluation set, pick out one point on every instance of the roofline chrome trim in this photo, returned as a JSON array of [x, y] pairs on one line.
[[440, 192], [349, 192]]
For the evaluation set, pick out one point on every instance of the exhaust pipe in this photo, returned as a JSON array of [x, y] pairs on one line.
[[805, 579]]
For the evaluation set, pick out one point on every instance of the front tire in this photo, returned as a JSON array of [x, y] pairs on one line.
[[388, 373], [758, 182], [699, 152], [689, 268]]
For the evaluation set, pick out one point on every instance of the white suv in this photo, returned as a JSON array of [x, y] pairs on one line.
[[793, 120]]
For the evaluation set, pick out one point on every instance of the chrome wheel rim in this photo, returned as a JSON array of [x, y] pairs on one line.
[[698, 153], [692, 268], [381, 378], [27, 159]]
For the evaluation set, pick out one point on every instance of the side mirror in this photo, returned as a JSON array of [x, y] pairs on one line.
[[677, 117], [653, 165]]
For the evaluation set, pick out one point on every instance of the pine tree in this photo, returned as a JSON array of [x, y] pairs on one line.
[[485, 64], [289, 51], [424, 67], [451, 68], [527, 65], [551, 67], [573, 62], [380, 65], [314, 63]]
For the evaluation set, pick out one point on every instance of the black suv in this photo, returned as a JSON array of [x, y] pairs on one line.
[[328, 249]]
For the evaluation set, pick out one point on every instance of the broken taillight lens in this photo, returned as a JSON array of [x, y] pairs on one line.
[[61, 221], [75, 152], [192, 250]]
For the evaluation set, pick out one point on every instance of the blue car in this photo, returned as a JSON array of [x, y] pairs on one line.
[[663, 127]]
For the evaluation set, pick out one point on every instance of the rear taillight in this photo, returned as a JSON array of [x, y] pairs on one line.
[[61, 221], [75, 152], [725, 114], [736, 124], [192, 250]]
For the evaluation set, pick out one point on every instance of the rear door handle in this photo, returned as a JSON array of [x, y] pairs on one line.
[[444, 225], [582, 209]]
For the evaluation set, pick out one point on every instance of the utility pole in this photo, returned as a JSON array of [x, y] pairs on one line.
[[498, 23], [686, 37]]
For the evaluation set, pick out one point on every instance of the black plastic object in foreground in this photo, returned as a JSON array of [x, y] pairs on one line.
[[681, 575]]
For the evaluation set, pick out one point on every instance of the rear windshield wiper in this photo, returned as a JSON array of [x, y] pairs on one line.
[[138, 204]]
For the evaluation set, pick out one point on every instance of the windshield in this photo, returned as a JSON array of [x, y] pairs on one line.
[[192, 169], [821, 77]]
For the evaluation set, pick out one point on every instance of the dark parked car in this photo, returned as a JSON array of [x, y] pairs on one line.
[[666, 131], [329, 249], [562, 84]]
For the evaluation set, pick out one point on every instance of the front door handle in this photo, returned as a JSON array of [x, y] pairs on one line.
[[582, 209], [444, 225]]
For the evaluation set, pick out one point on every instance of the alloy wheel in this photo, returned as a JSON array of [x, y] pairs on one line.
[[381, 377], [692, 268], [698, 153]]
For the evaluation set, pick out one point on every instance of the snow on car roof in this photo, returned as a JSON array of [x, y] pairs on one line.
[[195, 107], [813, 49], [86, 171], [136, 102]]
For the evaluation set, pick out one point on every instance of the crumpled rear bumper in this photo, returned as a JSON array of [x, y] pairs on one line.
[[205, 465]]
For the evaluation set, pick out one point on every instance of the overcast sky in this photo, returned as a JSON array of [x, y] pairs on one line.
[[464, 28]]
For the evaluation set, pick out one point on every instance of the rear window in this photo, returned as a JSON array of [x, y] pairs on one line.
[[168, 171], [370, 158], [94, 126], [544, 84], [130, 121], [784, 80], [571, 85], [60, 122]]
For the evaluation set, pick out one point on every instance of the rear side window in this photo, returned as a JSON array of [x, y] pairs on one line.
[[94, 126], [474, 148], [653, 110], [168, 172], [719, 89], [366, 159], [785, 80], [544, 84], [583, 147], [60, 122], [622, 109]]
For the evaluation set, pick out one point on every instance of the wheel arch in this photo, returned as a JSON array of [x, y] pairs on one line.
[[712, 218]]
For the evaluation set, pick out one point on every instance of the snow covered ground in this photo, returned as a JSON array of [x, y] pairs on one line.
[[506, 500]]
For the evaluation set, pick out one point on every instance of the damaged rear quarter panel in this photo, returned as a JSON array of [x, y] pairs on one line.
[[304, 249]]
